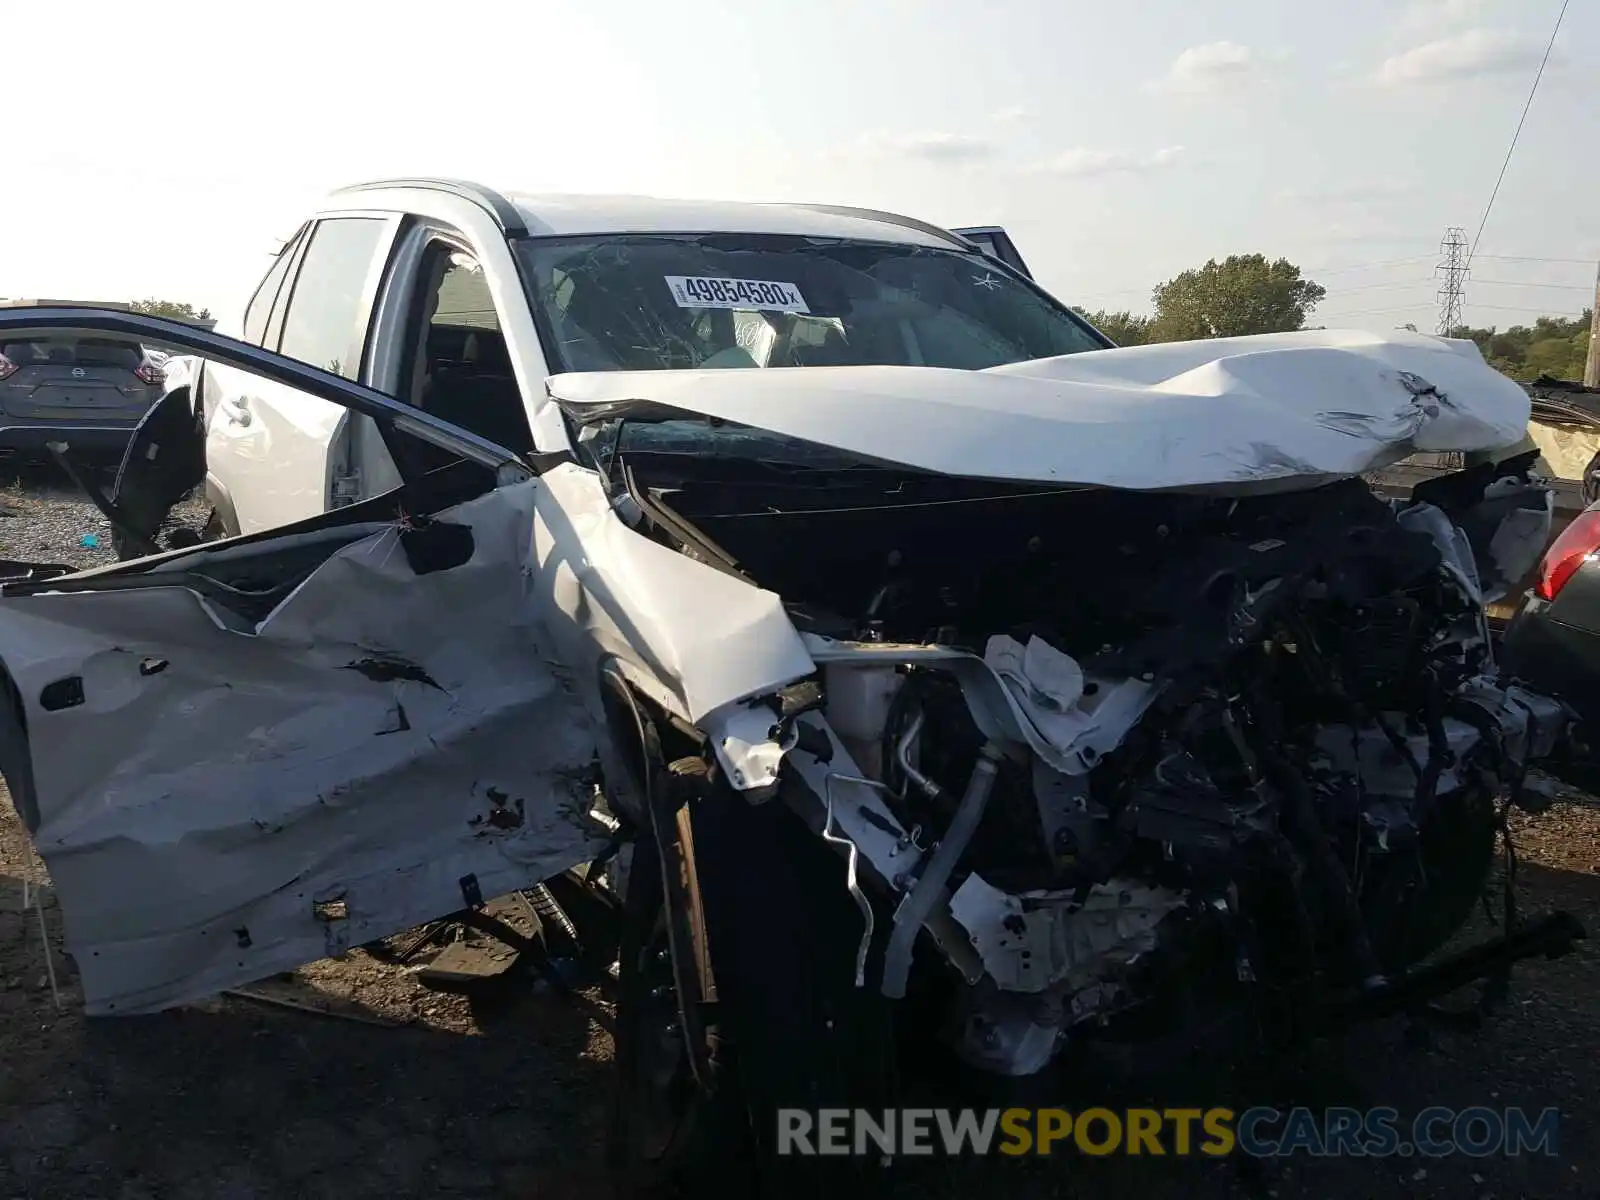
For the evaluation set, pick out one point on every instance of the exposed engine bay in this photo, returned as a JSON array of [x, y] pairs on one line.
[[1259, 741]]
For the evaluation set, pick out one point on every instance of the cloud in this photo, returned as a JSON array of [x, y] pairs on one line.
[[1013, 114], [1083, 163], [1362, 233], [1475, 54], [946, 147], [931, 147], [1213, 67], [1348, 192], [1432, 16]]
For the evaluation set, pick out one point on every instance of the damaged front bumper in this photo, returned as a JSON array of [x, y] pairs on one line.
[[1036, 962]]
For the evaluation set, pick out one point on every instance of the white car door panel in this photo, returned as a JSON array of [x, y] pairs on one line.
[[271, 446], [226, 782]]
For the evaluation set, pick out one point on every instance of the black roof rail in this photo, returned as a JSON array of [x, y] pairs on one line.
[[492, 202], [873, 214]]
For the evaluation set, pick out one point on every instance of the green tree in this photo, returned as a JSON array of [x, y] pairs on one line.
[[178, 310], [1242, 294], [1553, 347], [1124, 328]]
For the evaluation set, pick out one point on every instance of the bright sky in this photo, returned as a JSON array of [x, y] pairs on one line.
[[162, 148]]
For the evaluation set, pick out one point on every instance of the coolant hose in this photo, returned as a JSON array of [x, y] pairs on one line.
[[918, 904]]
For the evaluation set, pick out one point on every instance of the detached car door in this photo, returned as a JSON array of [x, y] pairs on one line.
[[246, 755]]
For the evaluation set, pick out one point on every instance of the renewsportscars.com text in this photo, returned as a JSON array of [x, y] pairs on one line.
[[1213, 1132]]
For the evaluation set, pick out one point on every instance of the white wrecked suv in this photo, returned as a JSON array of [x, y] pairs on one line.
[[913, 668]]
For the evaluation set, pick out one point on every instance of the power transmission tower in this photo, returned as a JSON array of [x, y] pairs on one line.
[[1452, 272]]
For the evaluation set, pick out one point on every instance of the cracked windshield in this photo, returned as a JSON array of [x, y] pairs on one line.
[[662, 303], [666, 303]]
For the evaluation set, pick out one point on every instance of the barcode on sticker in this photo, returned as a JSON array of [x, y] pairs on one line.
[[702, 291]]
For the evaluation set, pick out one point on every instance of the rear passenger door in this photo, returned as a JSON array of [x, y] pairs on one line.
[[275, 455]]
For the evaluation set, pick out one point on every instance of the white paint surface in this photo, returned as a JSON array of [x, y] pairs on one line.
[[1229, 414], [191, 817]]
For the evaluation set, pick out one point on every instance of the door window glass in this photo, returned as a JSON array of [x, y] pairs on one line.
[[326, 320], [255, 317]]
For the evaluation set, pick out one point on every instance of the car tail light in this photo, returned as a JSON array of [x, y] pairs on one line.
[[7, 367], [1567, 553], [148, 372]]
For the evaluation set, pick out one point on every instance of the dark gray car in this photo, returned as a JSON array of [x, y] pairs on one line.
[[87, 392]]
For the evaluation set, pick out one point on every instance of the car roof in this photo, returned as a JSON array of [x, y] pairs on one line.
[[558, 215], [564, 214]]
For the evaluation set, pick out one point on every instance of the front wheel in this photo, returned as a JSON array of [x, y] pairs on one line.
[[751, 920], [672, 1123]]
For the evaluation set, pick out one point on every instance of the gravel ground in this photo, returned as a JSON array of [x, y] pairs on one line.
[[400, 1091], [44, 518]]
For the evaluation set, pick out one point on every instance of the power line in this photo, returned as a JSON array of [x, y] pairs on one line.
[[1517, 308], [1582, 262], [1398, 283], [1510, 150], [1565, 287], [1307, 271], [1367, 312], [1385, 262], [1118, 292]]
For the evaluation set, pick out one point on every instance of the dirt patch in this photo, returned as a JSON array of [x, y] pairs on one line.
[[235, 1100]]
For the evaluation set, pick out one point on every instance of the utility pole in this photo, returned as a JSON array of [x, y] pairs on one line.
[[1452, 272], [1591, 365]]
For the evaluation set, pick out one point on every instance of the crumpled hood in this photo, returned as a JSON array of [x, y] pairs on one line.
[[1226, 414]]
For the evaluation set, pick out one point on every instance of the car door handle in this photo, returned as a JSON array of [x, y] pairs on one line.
[[237, 410]]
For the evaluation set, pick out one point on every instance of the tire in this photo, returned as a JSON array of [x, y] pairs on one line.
[[1421, 901], [784, 934], [671, 1133], [773, 935]]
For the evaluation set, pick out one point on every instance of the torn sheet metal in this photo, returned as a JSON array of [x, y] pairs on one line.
[[219, 802], [1036, 940], [742, 738], [1227, 415], [1383, 771], [1455, 550], [1520, 539], [1054, 704], [1530, 724], [1091, 728], [692, 638], [1043, 678]]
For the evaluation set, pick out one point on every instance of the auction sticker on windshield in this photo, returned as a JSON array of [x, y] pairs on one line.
[[768, 295]]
